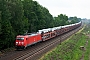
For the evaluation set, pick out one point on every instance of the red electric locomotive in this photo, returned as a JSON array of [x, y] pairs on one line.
[[22, 41]]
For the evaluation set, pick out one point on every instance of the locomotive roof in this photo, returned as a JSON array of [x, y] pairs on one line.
[[28, 35]]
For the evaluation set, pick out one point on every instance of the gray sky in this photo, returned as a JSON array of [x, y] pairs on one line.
[[79, 8]]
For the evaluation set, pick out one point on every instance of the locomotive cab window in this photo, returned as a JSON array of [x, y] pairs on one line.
[[20, 38]]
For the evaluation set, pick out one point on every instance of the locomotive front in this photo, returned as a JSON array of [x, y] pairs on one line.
[[20, 42]]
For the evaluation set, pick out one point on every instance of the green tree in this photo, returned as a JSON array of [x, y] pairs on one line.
[[16, 9], [6, 37], [0, 22], [74, 19], [61, 20]]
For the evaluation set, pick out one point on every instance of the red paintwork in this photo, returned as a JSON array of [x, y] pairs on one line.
[[33, 39], [28, 40], [19, 42]]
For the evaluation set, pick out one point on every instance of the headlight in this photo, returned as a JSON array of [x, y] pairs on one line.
[[22, 43], [16, 43]]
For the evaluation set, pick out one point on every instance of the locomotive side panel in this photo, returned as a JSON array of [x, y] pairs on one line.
[[30, 40], [33, 39], [38, 38]]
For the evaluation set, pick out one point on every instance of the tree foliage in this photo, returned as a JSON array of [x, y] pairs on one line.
[[74, 19], [61, 20]]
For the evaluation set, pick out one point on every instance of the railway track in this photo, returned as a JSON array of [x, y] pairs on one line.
[[34, 52]]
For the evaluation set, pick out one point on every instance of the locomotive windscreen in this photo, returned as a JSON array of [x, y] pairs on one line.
[[19, 38]]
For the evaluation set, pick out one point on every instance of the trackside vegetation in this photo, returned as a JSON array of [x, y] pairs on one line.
[[71, 49]]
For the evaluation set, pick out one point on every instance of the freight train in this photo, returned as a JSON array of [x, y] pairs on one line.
[[23, 41]]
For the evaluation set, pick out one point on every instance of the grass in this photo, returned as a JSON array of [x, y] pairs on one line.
[[70, 49], [87, 52]]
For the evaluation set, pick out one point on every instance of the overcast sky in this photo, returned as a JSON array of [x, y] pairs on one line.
[[79, 8]]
